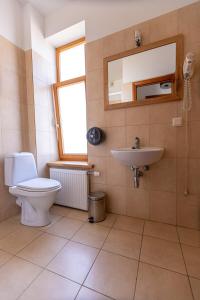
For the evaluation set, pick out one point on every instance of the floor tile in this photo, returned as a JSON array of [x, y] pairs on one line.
[[109, 221], [43, 249], [16, 241], [66, 227], [195, 284], [113, 276], [4, 257], [60, 210], [49, 286], [79, 215], [156, 283], [87, 294], [160, 230], [192, 260], [127, 244], [163, 254], [92, 235], [74, 261], [7, 227], [189, 236], [54, 219], [129, 224], [15, 277]]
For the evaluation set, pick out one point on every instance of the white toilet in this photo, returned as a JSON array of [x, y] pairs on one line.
[[35, 195]]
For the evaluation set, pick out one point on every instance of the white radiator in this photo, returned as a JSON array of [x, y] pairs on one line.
[[74, 192]]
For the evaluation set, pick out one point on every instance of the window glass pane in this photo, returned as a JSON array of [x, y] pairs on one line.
[[72, 62], [72, 106]]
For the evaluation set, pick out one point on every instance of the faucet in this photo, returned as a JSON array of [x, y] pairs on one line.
[[136, 143]]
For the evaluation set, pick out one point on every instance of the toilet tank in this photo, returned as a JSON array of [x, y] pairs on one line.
[[19, 167]]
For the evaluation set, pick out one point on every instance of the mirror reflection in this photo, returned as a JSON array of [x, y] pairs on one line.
[[142, 76]]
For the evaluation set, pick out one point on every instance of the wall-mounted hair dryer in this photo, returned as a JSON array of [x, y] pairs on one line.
[[188, 66], [188, 71]]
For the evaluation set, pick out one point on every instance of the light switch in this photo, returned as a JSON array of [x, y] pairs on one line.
[[177, 121]]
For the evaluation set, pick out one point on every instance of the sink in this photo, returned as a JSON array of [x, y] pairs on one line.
[[138, 157]]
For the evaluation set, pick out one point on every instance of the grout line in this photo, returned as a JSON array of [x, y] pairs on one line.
[[109, 230], [138, 263], [100, 249], [187, 274]]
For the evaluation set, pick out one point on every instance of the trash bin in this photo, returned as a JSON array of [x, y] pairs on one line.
[[97, 205]]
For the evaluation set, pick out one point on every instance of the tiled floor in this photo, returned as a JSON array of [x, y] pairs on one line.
[[121, 258]]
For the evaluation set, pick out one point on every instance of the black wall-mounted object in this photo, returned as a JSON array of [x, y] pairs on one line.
[[95, 136]]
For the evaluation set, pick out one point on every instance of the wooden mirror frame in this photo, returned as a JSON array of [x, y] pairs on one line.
[[177, 90]]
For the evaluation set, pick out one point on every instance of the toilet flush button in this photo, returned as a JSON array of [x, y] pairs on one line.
[[176, 122]]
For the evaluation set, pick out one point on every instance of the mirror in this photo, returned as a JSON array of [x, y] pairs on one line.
[[145, 75]]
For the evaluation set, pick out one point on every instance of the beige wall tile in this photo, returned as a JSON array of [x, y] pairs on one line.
[[95, 113], [162, 135], [137, 115], [162, 176], [188, 23], [94, 85], [94, 55], [115, 117], [188, 211], [116, 172], [163, 207], [162, 113], [114, 44], [116, 199], [164, 26], [137, 203], [115, 138]]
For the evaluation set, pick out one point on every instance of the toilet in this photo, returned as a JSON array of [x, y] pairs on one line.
[[34, 195]]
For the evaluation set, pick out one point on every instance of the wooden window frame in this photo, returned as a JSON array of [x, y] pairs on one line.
[[58, 84]]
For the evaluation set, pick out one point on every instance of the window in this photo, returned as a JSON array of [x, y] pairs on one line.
[[70, 101]]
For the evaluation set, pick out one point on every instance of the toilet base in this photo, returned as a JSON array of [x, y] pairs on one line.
[[32, 217], [35, 206]]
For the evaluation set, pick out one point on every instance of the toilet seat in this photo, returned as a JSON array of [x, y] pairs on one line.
[[39, 185]]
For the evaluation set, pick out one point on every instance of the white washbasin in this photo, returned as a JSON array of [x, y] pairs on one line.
[[138, 157]]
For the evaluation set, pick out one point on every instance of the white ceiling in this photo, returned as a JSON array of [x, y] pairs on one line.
[[45, 7]]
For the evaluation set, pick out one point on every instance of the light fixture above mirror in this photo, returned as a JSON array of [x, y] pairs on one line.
[[145, 75]]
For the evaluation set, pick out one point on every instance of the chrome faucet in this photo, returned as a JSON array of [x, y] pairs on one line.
[[136, 143]]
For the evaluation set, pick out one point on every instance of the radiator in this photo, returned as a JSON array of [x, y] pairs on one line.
[[74, 192]]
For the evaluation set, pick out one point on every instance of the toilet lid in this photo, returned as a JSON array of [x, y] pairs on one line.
[[39, 184]]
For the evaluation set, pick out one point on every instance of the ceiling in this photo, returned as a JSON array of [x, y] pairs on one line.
[[45, 7]]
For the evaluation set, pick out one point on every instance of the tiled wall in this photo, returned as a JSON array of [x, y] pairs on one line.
[[160, 196], [42, 142], [13, 114]]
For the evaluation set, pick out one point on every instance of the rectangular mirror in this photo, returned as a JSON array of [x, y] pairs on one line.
[[145, 75]]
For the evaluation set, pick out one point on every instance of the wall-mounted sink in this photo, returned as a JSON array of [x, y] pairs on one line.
[[137, 158]]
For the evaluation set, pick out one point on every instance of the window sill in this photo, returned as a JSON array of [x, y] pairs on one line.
[[77, 165]]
